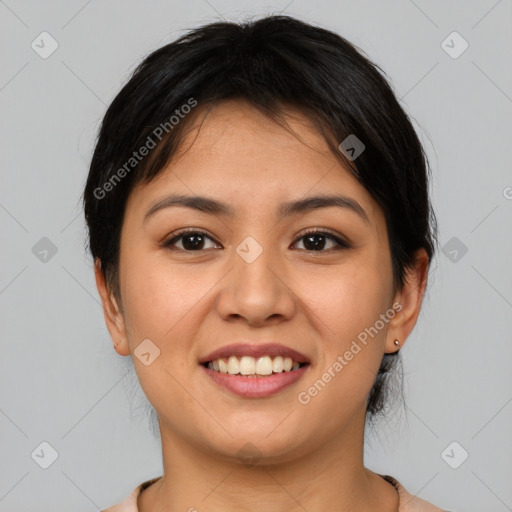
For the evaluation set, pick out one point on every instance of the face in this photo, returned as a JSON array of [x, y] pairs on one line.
[[256, 275]]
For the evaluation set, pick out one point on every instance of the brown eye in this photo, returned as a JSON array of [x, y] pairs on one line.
[[195, 241], [191, 240], [316, 241]]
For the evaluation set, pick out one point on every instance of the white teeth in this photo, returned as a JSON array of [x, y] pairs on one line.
[[247, 365], [233, 365], [278, 364], [223, 366], [264, 366]]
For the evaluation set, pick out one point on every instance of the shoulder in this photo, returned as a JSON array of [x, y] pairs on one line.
[[409, 502], [129, 504]]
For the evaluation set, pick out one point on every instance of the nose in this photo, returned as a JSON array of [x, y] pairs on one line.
[[257, 292]]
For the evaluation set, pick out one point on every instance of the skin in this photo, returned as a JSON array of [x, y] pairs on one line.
[[190, 303]]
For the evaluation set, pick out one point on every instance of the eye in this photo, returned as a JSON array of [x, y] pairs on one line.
[[315, 241], [191, 240], [194, 240]]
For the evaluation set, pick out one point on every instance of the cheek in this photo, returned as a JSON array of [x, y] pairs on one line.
[[351, 311], [351, 299], [160, 306], [351, 353], [158, 298]]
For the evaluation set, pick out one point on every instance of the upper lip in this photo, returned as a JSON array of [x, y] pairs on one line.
[[259, 350]]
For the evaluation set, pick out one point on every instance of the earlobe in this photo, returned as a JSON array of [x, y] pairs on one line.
[[113, 317], [410, 298]]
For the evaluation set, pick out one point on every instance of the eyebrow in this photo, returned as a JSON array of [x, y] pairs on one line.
[[214, 207]]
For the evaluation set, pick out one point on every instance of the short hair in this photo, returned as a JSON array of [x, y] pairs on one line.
[[276, 63]]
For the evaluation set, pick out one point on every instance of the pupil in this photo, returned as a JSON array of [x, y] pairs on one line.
[[313, 246], [194, 245]]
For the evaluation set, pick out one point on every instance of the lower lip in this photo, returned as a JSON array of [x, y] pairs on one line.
[[256, 387]]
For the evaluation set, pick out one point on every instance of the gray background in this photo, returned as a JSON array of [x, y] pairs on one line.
[[61, 382]]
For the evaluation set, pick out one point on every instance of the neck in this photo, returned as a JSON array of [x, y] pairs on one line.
[[331, 476]]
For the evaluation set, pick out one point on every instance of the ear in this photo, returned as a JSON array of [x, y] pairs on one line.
[[410, 297], [113, 316]]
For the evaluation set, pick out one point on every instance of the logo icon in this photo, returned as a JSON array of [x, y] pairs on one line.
[[249, 249], [454, 45], [454, 455], [249, 454], [352, 147], [454, 249], [44, 455], [44, 45], [44, 250], [146, 352]]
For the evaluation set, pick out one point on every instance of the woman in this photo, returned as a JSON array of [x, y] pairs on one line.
[[259, 217]]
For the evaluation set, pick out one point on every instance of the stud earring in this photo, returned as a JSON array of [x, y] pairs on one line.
[[397, 343]]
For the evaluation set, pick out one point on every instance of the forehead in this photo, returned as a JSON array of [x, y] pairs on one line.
[[238, 154], [234, 124]]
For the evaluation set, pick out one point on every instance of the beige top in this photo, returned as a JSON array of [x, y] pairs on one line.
[[407, 502]]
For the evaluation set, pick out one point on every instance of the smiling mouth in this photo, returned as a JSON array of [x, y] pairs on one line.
[[247, 366]]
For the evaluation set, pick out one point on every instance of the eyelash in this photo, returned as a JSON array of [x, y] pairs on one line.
[[179, 234]]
